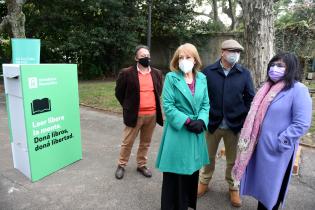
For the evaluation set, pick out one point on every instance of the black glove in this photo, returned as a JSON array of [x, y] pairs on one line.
[[195, 126]]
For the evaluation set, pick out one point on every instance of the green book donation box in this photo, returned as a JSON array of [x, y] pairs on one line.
[[44, 117]]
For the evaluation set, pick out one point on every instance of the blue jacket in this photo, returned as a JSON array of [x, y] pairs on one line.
[[230, 96]]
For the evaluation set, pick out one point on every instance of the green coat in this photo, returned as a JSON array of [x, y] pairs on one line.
[[181, 151]]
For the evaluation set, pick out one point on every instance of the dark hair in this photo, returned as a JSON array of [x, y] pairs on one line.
[[140, 47], [292, 73]]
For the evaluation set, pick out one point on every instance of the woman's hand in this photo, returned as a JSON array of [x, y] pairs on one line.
[[195, 126]]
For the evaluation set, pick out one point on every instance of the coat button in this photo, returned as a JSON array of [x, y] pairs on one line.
[[285, 141]]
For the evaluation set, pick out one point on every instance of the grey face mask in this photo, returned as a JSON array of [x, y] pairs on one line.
[[232, 58]]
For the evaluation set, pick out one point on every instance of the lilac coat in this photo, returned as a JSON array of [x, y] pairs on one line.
[[287, 119]]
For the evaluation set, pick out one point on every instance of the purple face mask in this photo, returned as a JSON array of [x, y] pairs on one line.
[[275, 73]]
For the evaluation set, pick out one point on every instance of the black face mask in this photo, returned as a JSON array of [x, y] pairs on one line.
[[145, 62]]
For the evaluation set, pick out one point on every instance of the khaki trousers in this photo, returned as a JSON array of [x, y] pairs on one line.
[[145, 125], [230, 142]]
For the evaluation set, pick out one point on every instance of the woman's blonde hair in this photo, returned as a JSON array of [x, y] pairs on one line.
[[189, 49]]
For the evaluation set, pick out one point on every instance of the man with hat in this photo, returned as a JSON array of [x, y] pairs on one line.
[[231, 90]]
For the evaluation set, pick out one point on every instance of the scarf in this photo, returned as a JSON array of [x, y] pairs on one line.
[[249, 133]]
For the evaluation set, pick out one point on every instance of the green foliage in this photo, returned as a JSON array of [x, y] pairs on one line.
[[172, 18], [3, 9], [312, 128], [5, 53], [202, 27], [296, 37], [302, 12], [3, 13], [96, 34], [295, 28], [100, 35]]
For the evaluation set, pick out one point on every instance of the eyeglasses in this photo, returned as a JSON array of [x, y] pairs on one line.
[[277, 64]]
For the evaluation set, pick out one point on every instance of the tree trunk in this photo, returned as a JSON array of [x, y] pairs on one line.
[[239, 19], [230, 11], [14, 22], [215, 10], [232, 14], [258, 37]]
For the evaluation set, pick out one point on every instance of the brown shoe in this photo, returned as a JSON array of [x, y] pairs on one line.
[[235, 198], [202, 189], [144, 171]]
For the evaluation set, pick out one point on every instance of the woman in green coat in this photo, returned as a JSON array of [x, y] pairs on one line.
[[183, 149]]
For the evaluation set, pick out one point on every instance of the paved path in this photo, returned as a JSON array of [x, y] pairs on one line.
[[90, 183]]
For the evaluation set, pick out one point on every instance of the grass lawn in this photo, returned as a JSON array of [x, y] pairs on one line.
[[99, 94], [310, 85], [312, 128]]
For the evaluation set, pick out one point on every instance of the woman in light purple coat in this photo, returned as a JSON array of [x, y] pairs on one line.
[[280, 114]]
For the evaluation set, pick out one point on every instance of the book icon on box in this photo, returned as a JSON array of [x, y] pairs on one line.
[[40, 105]]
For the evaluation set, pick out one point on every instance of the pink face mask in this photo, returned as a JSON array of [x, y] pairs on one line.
[[276, 73]]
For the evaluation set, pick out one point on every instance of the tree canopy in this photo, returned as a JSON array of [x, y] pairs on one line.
[[100, 35], [96, 34]]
